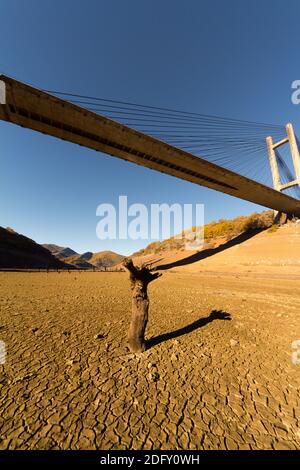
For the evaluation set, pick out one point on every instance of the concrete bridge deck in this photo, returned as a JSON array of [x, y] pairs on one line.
[[29, 107]]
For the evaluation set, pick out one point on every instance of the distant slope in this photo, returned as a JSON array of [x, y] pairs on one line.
[[18, 251], [276, 250], [87, 256], [248, 244], [215, 233], [52, 248], [218, 235], [88, 260], [60, 251], [79, 262], [106, 259]]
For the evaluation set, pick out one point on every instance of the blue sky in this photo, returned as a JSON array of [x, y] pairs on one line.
[[235, 58]]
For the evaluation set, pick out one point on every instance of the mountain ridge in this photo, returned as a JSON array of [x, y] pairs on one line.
[[19, 251], [88, 260]]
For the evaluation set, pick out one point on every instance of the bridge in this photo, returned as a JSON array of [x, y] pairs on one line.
[[44, 112]]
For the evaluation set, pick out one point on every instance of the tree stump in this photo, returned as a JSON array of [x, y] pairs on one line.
[[140, 278]]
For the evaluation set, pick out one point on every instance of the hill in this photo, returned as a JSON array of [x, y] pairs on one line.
[[106, 259], [244, 244], [60, 251], [87, 260], [79, 262], [274, 251], [101, 260], [20, 252], [70, 256], [215, 233], [86, 256]]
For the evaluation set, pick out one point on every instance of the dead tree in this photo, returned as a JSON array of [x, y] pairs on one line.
[[139, 279]]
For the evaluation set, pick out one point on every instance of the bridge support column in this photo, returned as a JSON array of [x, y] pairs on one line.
[[273, 164], [294, 151], [280, 217]]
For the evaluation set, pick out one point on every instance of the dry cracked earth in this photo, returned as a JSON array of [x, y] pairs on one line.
[[217, 373]]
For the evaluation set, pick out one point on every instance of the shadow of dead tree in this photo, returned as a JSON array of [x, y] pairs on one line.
[[214, 315], [208, 252]]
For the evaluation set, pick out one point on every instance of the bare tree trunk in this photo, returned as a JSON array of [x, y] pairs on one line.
[[139, 279]]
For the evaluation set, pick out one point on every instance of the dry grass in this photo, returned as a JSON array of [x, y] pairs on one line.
[[225, 229]]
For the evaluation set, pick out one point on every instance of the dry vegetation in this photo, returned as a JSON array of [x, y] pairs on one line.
[[225, 229]]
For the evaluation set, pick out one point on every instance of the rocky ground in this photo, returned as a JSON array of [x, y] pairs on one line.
[[218, 372]]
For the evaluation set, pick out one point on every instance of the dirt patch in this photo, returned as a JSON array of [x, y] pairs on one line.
[[217, 373]]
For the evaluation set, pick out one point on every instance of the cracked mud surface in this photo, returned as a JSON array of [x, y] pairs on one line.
[[206, 382]]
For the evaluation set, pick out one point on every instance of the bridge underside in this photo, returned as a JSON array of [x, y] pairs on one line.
[[34, 109]]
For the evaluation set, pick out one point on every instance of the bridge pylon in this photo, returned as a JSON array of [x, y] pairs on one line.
[[278, 185]]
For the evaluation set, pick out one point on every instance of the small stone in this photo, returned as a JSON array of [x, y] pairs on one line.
[[154, 376], [34, 330], [174, 357], [99, 336], [89, 434], [66, 333], [151, 365], [233, 342], [129, 356], [24, 377]]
